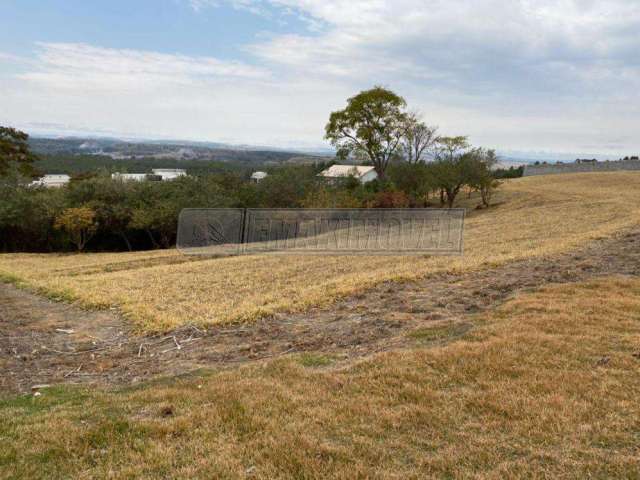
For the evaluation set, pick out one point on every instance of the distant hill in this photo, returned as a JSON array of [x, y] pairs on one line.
[[80, 154]]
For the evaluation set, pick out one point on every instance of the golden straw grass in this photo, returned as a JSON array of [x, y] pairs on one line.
[[161, 289]]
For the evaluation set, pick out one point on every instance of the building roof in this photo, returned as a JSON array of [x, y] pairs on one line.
[[169, 170], [52, 179], [258, 175], [337, 171], [129, 176], [169, 173]]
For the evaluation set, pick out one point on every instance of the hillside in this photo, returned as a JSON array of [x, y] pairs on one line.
[[78, 155], [518, 360], [162, 289]]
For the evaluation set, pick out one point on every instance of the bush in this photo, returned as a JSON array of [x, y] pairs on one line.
[[390, 199], [79, 223]]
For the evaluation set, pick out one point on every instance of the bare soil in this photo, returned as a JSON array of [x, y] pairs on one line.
[[43, 342]]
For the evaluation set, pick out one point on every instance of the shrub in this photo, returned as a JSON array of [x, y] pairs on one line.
[[391, 199], [79, 223]]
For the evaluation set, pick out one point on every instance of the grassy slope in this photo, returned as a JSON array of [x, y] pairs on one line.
[[546, 386], [158, 290]]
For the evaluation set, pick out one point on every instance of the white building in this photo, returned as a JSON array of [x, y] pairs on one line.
[[136, 177], [257, 177], [169, 173], [54, 181], [362, 173]]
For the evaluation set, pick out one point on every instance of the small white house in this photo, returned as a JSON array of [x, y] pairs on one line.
[[257, 177], [169, 173], [363, 173], [135, 177], [51, 181]]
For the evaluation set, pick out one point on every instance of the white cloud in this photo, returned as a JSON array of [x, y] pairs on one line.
[[251, 6], [154, 94], [70, 65], [198, 5], [462, 40], [515, 74], [575, 60]]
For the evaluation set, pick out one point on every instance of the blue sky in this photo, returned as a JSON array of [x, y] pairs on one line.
[[172, 26], [561, 75]]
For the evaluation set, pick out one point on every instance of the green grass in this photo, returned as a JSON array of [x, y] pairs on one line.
[[314, 360], [439, 332], [10, 279]]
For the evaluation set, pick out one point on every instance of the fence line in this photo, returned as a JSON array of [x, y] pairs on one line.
[[607, 166]]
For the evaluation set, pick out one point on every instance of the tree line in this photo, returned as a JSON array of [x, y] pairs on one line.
[[100, 213], [416, 168]]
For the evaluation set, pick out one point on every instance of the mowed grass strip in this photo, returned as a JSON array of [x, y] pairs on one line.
[[547, 386], [535, 216]]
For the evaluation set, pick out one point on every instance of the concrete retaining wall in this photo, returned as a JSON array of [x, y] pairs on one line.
[[530, 170]]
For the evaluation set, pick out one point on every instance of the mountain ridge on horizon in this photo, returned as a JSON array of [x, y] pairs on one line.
[[508, 157]]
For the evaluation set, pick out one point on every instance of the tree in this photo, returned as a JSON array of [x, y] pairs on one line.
[[109, 199], [14, 149], [415, 179], [372, 125], [418, 140], [390, 199], [482, 178], [447, 148], [79, 223], [156, 206], [27, 215], [450, 170], [287, 186], [325, 196], [161, 218], [511, 172]]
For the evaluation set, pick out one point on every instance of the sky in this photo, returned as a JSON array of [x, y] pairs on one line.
[[516, 75]]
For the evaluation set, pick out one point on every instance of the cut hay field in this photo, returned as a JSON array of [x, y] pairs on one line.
[[161, 289]]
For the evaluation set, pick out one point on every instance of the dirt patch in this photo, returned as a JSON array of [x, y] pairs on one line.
[[43, 342]]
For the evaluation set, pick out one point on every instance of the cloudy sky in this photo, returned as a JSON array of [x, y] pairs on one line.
[[540, 75]]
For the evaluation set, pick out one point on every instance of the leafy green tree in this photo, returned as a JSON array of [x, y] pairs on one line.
[[156, 209], [14, 150], [27, 215], [481, 177], [109, 199], [372, 126], [448, 148], [286, 187], [160, 218], [415, 179], [511, 172], [325, 196], [450, 175], [79, 223], [157, 205], [451, 169]]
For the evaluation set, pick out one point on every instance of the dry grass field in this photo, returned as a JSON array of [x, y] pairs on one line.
[[542, 382], [546, 386], [162, 289]]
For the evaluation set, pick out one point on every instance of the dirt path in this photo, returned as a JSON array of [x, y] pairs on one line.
[[42, 342]]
